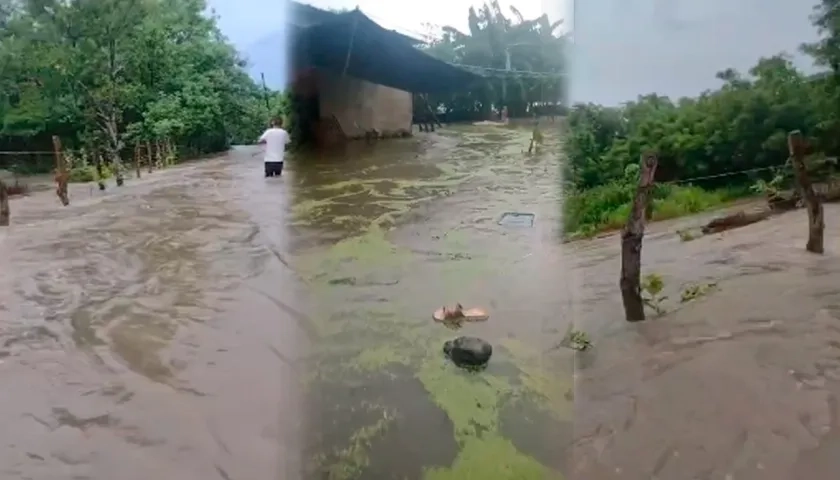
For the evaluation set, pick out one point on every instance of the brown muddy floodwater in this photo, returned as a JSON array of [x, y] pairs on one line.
[[204, 322]]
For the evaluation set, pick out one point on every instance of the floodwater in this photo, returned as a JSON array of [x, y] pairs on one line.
[[204, 322], [739, 383]]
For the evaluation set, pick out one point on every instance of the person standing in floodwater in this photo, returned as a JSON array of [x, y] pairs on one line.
[[275, 140]]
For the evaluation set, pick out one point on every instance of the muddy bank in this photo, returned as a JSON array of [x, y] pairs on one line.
[[741, 383]]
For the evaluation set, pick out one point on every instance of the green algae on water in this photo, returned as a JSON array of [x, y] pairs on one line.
[[471, 400], [491, 457]]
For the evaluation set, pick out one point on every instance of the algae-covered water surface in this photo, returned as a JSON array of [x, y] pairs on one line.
[[388, 234]]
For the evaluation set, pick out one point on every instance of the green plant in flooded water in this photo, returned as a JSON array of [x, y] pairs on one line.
[[652, 286], [577, 340], [686, 235], [350, 463], [771, 188], [692, 292]]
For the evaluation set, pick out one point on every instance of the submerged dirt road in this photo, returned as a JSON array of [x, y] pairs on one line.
[[206, 323], [148, 332]]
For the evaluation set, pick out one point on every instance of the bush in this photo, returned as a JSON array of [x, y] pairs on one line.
[[87, 173], [604, 208]]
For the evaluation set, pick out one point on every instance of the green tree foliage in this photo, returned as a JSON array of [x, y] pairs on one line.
[[534, 46], [105, 74], [740, 127]]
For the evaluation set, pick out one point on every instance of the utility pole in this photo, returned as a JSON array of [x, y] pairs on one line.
[[504, 79], [508, 67]]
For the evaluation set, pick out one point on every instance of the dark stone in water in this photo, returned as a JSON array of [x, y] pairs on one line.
[[468, 351]]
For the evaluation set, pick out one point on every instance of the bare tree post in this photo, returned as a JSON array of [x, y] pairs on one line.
[[631, 243], [150, 156], [170, 153], [5, 212], [100, 175], [137, 155], [159, 154], [61, 174], [816, 222]]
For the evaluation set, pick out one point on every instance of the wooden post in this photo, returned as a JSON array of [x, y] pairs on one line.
[[631, 243], [137, 160], [61, 173], [816, 222], [4, 205]]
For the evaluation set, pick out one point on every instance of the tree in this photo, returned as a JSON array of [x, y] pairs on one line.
[[493, 39], [105, 74], [729, 138]]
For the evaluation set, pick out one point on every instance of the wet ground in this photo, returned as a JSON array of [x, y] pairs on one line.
[[203, 322]]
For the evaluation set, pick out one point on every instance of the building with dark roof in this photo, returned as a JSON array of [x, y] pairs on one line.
[[355, 77]]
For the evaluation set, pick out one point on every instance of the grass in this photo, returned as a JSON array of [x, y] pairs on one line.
[[607, 207]]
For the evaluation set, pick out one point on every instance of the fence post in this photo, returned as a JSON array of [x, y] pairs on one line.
[[813, 204], [61, 173], [631, 243], [4, 205]]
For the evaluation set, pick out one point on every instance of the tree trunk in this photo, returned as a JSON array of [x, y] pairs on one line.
[[5, 213], [150, 156], [631, 243], [170, 152], [62, 176], [160, 158], [816, 222], [137, 160], [100, 177]]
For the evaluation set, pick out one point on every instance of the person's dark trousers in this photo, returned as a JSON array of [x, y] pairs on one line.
[[273, 169]]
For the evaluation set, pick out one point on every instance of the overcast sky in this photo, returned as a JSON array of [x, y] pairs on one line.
[[624, 48], [247, 21]]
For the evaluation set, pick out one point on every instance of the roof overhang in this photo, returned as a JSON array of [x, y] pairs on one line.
[[354, 44]]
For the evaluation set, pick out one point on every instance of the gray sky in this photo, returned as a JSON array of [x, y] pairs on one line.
[[674, 47], [246, 22], [624, 48]]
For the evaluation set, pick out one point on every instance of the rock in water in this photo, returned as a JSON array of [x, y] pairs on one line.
[[468, 351]]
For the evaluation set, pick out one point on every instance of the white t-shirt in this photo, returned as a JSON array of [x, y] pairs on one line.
[[276, 140]]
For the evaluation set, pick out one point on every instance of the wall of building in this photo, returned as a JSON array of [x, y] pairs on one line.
[[361, 106]]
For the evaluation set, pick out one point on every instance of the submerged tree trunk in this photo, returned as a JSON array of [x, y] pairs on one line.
[[159, 154], [62, 176], [137, 155], [816, 222], [150, 156], [631, 244], [5, 212], [108, 122], [100, 176]]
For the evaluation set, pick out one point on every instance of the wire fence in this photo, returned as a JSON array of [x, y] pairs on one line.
[[505, 73], [724, 174], [828, 161], [27, 162]]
